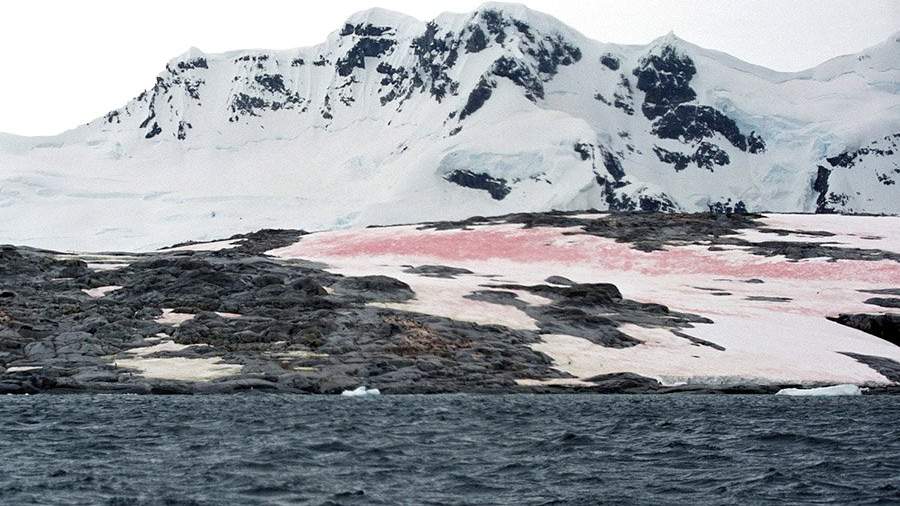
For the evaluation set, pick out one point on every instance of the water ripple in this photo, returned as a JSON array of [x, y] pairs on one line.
[[457, 449]]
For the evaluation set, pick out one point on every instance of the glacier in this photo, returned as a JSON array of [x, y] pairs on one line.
[[396, 120]]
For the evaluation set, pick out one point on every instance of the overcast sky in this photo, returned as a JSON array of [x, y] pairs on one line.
[[66, 62]]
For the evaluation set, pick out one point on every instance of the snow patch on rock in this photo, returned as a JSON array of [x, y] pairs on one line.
[[100, 291], [174, 368], [754, 324]]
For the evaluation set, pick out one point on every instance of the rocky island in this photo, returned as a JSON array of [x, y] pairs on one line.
[[534, 302]]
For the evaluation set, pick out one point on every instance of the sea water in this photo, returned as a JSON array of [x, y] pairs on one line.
[[456, 449]]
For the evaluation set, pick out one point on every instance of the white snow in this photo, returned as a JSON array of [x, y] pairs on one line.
[[104, 186], [445, 297], [207, 246], [174, 368], [100, 291], [167, 345], [180, 368], [866, 232], [107, 266], [175, 319], [170, 317], [23, 368], [567, 382], [100, 262], [832, 391]]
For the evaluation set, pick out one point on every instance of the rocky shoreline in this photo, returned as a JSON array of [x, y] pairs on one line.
[[197, 319]]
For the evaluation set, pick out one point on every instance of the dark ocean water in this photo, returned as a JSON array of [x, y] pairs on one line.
[[584, 449]]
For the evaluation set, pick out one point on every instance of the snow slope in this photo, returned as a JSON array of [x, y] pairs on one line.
[[768, 314], [504, 109]]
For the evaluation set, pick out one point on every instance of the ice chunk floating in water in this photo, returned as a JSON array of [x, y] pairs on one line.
[[360, 391], [831, 391]]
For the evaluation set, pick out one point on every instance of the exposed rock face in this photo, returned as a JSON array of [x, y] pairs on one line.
[[576, 307], [610, 61], [283, 326], [877, 162], [885, 326], [438, 271], [227, 317], [495, 186], [889, 368], [891, 302], [665, 79]]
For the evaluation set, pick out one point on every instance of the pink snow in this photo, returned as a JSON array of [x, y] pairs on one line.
[[515, 244], [765, 340]]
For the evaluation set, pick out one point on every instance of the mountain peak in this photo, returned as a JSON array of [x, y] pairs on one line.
[[378, 16], [191, 54], [191, 58], [495, 111], [537, 20], [669, 40], [512, 8], [888, 50], [879, 63]]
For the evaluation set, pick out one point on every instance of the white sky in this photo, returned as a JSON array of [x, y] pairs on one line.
[[66, 62]]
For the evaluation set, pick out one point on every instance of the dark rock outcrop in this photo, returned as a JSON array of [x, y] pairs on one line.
[[437, 271], [665, 80], [890, 302], [291, 334], [888, 368], [496, 187], [576, 308], [610, 61], [885, 326]]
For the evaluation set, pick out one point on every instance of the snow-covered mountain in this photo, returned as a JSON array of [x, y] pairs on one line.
[[504, 109]]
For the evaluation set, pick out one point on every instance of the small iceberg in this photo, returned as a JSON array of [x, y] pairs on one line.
[[360, 391], [831, 391]]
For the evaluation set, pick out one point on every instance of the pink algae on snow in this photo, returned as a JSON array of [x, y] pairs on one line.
[[521, 245], [776, 330], [553, 245]]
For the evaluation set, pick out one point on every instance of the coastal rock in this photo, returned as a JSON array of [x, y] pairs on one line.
[[230, 316]]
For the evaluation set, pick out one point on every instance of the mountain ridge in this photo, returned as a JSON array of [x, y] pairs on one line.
[[382, 14], [500, 110]]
